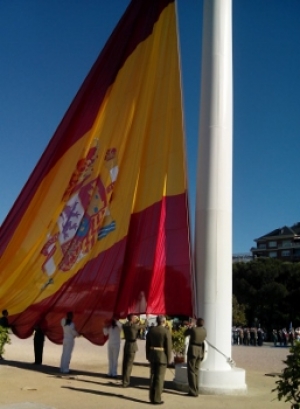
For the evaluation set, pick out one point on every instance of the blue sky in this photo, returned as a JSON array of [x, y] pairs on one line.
[[47, 49]]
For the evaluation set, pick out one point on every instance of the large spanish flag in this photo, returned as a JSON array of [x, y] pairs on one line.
[[101, 228]]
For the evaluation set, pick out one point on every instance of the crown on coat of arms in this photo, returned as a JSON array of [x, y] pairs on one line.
[[110, 154]]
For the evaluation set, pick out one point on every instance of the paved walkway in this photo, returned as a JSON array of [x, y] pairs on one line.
[[25, 386]]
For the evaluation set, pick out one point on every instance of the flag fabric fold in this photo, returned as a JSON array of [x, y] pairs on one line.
[[101, 227]]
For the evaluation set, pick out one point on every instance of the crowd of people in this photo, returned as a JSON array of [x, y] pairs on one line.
[[256, 336], [158, 349], [284, 337], [248, 336]]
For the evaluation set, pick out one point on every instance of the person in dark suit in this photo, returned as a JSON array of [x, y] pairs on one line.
[[197, 336], [158, 353], [38, 343], [130, 329]]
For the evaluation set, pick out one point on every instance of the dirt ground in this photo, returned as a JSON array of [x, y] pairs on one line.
[[26, 386]]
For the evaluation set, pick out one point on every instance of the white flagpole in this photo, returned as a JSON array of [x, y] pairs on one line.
[[213, 232]]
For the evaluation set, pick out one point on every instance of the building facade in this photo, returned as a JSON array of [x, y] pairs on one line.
[[242, 258], [282, 243]]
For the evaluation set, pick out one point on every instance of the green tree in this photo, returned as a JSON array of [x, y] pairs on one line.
[[269, 290], [288, 385], [4, 339], [238, 312], [269, 301]]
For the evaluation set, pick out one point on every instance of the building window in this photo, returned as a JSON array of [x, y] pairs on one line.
[[272, 244], [286, 253], [286, 243], [273, 254], [261, 246]]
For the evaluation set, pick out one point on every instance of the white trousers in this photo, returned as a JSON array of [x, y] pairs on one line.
[[113, 355], [68, 346]]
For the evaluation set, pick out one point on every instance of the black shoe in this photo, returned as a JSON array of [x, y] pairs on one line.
[[191, 394]]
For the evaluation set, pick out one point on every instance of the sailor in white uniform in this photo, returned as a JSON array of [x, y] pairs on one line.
[[70, 334], [113, 331]]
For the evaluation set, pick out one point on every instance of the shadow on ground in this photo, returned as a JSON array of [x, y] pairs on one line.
[[49, 370]]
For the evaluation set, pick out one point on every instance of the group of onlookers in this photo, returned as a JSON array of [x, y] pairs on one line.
[[284, 337], [256, 336], [248, 336]]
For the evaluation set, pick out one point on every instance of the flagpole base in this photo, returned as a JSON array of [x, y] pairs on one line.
[[213, 382]]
